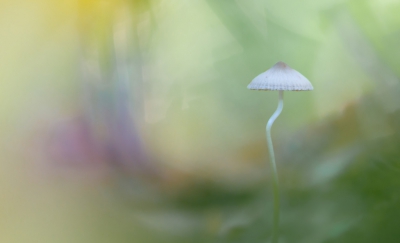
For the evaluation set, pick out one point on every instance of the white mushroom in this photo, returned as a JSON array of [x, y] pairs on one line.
[[280, 77]]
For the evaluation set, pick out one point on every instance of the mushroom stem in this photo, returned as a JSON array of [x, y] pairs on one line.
[[275, 184]]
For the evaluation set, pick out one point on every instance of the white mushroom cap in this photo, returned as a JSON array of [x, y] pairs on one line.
[[280, 77]]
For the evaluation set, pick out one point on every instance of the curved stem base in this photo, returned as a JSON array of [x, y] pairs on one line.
[[275, 185]]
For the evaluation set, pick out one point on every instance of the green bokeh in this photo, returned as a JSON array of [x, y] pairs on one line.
[[176, 73]]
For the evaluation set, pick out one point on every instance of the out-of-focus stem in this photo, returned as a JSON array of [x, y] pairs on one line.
[[275, 185]]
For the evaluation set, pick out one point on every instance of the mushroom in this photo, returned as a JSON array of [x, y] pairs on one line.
[[280, 77]]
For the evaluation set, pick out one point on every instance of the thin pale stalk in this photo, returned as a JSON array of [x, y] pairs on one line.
[[275, 185]]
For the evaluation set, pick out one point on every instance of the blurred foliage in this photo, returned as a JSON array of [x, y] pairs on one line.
[[129, 121]]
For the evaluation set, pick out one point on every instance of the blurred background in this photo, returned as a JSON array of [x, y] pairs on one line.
[[130, 121]]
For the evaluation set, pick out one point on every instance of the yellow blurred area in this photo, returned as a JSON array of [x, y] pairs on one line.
[[38, 42]]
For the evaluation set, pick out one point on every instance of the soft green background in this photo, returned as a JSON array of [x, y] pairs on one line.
[[181, 68]]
